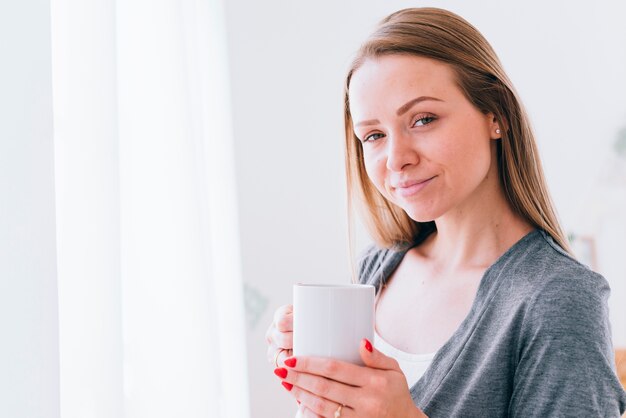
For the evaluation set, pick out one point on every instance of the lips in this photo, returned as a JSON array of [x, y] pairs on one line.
[[411, 187]]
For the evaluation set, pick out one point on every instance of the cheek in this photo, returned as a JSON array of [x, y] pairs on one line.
[[470, 147], [369, 167], [471, 163], [375, 169]]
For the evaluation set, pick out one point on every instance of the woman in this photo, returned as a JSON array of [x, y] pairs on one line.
[[481, 310]]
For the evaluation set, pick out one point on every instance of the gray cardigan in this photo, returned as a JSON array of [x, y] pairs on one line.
[[536, 342]]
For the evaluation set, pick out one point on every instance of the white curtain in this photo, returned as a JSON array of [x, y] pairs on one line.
[[150, 294]]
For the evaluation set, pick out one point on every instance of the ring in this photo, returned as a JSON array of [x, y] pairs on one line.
[[276, 357], [338, 411]]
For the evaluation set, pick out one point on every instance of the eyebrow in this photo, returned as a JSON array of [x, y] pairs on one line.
[[401, 110]]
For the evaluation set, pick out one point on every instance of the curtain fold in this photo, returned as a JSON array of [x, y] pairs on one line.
[[149, 267]]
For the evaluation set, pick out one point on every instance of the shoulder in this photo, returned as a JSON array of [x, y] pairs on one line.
[[369, 260], [564, 356], [541, 267], [563, 294], [547, 291], [564, 275], [376, 264]]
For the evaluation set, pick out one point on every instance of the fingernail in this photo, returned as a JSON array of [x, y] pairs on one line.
[[368, 345], [282, 373], [287, 386], [290, 362], [298, 402]]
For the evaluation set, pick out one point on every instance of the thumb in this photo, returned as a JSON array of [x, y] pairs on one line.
[[375, 359]]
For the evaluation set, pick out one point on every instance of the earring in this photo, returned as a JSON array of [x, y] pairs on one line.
[[498, 131]]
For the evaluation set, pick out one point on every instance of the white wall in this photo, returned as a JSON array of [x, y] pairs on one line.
[[288, 61], [29, 354]]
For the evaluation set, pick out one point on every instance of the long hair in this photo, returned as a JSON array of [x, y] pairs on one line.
[[444, 36]]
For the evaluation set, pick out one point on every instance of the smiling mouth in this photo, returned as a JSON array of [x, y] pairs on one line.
[[411, 188]]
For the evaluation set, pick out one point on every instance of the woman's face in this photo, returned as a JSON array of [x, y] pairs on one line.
[[426, 148]]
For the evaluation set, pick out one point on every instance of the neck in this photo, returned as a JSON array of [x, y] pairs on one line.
[[476, 233]]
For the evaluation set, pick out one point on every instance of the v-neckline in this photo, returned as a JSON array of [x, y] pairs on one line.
[[486, 284]]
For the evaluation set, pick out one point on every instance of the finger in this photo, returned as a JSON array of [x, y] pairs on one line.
[[307, 413], [375, 359], [337, 370], [283, 318], [285, 354], [280, 360], [285, 323], [320, 406], [282, 339], [319, 386]]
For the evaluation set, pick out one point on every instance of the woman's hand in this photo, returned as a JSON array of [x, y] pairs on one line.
[[279, 336], [330, 388]]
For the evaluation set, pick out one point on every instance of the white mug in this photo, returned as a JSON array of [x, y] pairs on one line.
[[332, 320]]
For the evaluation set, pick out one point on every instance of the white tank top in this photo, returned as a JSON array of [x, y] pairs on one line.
[[412, 365]]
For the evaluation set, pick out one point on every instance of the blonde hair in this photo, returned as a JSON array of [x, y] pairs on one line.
[[444, 36]]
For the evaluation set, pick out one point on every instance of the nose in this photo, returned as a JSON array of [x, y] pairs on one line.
[[401, 151]]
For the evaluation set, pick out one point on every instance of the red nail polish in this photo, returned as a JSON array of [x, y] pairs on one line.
[[287, 386], [368, 345], [290, 362], [282, 373]]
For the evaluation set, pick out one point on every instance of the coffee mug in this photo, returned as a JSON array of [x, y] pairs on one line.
[[332, 320]]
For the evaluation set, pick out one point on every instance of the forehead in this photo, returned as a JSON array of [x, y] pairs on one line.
[[393, 79]]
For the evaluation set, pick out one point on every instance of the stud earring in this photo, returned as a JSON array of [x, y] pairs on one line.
[[498, 131]]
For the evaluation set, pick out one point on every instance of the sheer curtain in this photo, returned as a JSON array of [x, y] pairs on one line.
[[150, 303]]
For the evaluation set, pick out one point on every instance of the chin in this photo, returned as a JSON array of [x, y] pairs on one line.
[[422, 219], [420, 213]]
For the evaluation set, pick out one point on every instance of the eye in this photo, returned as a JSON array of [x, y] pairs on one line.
[[424, 120], [373, 137]]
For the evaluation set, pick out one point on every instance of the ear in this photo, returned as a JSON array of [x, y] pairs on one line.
[[496, 129]]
